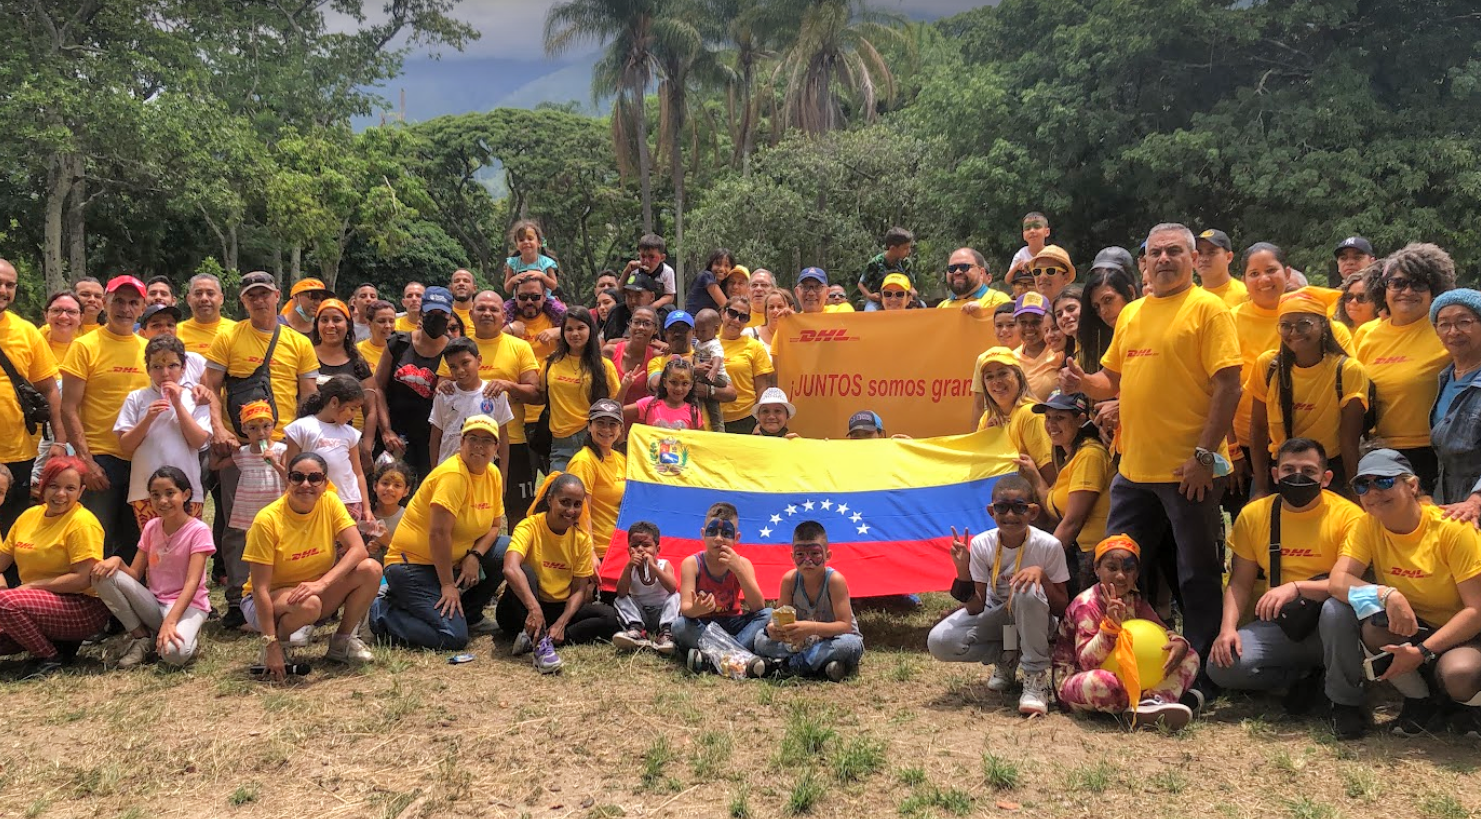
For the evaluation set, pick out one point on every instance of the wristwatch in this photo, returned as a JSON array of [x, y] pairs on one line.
[[1425, 654], [1204, 456], [473, 553]]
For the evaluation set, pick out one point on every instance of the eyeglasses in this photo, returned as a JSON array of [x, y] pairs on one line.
[[484, 441], [63, 311], [1127, 565], [1362, 485], [1017, 507], [959, 268], [1302, 326], [1464, 325], [641, 323], [312, 478], [894, 294], [737, 315], [1413, 285], [530, 296], [1047, 271], [723, 529]]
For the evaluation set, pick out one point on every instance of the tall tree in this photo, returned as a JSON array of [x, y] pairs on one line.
[[680, 51], [834, 49]]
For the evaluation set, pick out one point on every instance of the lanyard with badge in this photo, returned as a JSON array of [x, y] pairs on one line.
[[1010, 630]]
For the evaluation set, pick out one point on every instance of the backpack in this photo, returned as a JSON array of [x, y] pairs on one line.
[[1370, 416]]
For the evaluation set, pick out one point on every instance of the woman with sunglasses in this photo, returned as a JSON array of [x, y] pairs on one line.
[[296, 580], [1422, 626], [1306, 388], [748, 364], [1355, 306], [1006, 407], [1455, 430], [443, 565], [1404, 355]]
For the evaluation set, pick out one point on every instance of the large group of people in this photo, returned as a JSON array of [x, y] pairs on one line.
[[455, 467]]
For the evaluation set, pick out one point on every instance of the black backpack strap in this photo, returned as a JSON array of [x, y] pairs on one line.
[[1274, 573], [1341, 362]]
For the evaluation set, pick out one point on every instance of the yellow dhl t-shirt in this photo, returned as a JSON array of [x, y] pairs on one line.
[[1318, 414], [989, 300], [33, 360], [1425, 564], [239, 350], [197, 337], [569, 390], [1088, 470], [605, 480], [1404, 364], [745, 360], [1233, 293], [300, 548], [45, 548], [1025, 430], [557, 560], [475, 501], [533, 328], [1310, 541], [113, 366]]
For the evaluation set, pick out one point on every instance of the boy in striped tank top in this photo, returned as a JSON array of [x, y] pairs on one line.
[[825, 638], [718, 586]]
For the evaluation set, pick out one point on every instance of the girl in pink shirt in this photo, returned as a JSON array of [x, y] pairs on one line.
[[674, 407], [166, 615]]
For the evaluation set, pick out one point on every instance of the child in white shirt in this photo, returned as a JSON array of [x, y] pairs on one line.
[[647, 594], [161, 425], [324, 427]]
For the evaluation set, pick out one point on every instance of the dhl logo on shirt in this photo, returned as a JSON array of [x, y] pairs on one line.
[[1411, 574], [555, 564], [566, 379], [1303, 407], [128, 370], [1284, 552], [1143, 353], [1390, 359], [23, 546], [483, 506], [823, 335], [307, 553]]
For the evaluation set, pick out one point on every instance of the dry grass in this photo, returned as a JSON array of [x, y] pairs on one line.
[[635, 736]]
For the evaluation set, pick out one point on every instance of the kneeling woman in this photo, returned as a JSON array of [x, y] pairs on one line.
[[295, 578], [1427, 613], [440, 569], [53, 547], [1091, 632], [165, 615], [546, 602]]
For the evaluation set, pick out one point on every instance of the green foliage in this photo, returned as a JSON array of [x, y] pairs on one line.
[[805, 795], [1000, 774]]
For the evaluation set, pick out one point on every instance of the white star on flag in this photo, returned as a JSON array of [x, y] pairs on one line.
[[863, 528], [766, 531], [776, 518], [843, 509], [827, 504], [856, 517], [807, 506], [791, 510]]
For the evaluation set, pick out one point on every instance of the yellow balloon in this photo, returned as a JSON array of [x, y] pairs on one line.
[[1148, 638]]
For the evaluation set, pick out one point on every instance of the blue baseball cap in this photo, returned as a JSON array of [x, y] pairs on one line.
[[437, 298], [816, 274], [865, 420], [678, 317]]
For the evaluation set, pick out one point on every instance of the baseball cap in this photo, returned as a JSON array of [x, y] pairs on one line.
[[258, 280], [1356, 242], [155, 309], [309, 286], [816, 274], [678, 317], [865, 419], [1031, 303], [775, 395], [1217, 238], [119, 282], [641, 281], [605, 408], [1384, 463], [333, 304], [1058, 254], [1071, 402], [481, 423], [1023, 275], [898, 279], [437, 298], [997, 355], [1114, 258]]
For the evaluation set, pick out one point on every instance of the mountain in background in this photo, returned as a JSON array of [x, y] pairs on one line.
[[463, 84]]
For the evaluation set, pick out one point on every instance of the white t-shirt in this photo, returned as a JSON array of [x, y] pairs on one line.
[[1039, 549], [195, 367], [649, 595], [704, 351], [336, 444], [165, 443], [450, 411], [665, 277]]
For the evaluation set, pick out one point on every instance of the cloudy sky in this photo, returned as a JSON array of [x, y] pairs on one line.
[[507, 66]]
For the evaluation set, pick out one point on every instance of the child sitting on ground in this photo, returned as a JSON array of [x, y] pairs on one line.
[[1090, 631], [825, 635], [647, 594], [707, 349], [1011, 579], [719, 586]]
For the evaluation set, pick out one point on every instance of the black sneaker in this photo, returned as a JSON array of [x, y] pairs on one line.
[[1193, 698], [41, 668], [233, 619], [1306, 694], [1466, 721], [1416, 718], [1349, 721], [763, 667]]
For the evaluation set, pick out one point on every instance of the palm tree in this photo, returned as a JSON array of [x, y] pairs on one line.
[[751, 28], [626, 28], [682, 56], [835, 45]]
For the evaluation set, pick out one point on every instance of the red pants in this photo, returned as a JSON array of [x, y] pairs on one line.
[[31, 618]]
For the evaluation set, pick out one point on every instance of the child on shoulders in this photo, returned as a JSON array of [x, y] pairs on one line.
[[718, 586], [647, 594], [824, 638]]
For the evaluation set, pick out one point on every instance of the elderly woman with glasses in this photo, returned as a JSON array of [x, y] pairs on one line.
[[1455, 419], [1403, 354]]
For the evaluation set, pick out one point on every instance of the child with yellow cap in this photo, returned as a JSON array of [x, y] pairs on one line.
[[1091, 632]]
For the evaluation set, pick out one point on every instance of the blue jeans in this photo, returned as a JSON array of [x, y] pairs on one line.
[[562, 450], [845, 648], [111, 506], [407, 613], [743, 627]]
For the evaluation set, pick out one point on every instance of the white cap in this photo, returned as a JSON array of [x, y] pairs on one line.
[[774, 395]]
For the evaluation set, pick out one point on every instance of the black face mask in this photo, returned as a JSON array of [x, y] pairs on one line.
[[434, 324], [1298, 490]]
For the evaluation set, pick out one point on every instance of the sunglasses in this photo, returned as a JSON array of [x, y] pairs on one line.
[[1127, 565], [894, 294], [720, 528], [958, 268], [737, 315], [1017, 507], [1414, 285], [1360, 298], [1302, 326], [311, 478], [530, 296], [835, 297], [1362, 485], [1047, 271]]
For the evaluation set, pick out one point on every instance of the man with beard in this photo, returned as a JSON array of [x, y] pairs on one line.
[[32, 360], [407, 375], [968, 280], [365, 295], [463, 288]]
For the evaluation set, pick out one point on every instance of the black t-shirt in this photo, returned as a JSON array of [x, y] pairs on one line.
[[413, 382]]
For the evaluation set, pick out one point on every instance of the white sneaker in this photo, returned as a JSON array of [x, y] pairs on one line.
[[1153, 712], [135, 653], [630, 640], [302, 637], [1034, 701], [483, 627], [1004, 674], [522, 644], [347, 648]]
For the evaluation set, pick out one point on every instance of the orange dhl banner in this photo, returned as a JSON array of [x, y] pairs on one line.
[[914, 368]]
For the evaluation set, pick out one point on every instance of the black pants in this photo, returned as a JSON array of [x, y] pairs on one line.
[[16, 501], [741, 426], [592, 622], [521, 488]]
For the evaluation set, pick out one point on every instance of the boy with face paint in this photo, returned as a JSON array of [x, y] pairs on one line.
[[824, 639], [1314, 524]]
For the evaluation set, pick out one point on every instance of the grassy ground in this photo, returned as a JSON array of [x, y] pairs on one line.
[[411, 736]]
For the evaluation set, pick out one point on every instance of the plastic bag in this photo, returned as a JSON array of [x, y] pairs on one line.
[[724, 653]]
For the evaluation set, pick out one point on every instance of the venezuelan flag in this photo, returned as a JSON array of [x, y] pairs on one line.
[[888, 505]]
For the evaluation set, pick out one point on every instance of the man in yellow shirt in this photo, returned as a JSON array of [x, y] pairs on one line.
[[463, 287], [968, 280], [101, 369], [89, 293], [1264, 654], [411, 302], [1215, 254], [762, 283], [304, 301], [292, 373], [1175, 363], [31, 357], [837, 300], [204, 297]]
